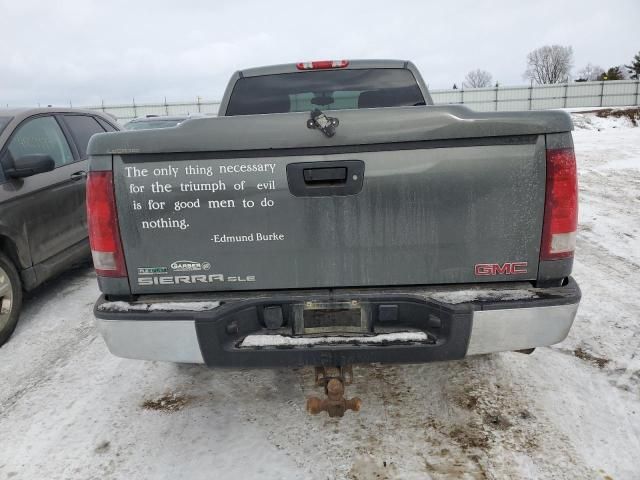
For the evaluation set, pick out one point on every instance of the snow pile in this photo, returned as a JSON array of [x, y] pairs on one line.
[[606, 119], [284, 341], [185, 306], [157, 307], [608, 179], [123, 307], [486, 295]]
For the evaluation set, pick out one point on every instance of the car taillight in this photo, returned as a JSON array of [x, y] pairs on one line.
[[322, 64], [561, 205], [104, 235]]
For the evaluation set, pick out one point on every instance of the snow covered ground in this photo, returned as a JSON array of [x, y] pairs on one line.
[[70, 410]]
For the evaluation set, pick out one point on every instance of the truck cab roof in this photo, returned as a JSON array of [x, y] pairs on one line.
[[350, 64]]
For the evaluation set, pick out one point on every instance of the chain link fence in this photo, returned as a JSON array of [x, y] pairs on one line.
[[126, 112], [534, 97], [542, 97]]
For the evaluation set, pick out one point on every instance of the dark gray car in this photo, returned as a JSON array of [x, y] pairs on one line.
[[43, 225]]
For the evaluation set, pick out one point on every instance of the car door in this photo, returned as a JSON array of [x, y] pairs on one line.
[[47, 206], [81, 128]]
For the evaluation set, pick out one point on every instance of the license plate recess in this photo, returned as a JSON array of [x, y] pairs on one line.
[[331, 317]]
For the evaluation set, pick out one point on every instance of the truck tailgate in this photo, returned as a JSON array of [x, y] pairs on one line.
[[421, 212]]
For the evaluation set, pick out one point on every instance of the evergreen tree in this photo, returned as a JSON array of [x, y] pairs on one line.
[[634, 68], [614, 73]]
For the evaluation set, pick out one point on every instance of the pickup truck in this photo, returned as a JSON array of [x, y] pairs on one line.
[[332, 215]]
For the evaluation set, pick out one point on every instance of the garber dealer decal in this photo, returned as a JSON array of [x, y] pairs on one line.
[[189, 266]]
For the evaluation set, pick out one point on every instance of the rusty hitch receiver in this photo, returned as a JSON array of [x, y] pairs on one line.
[[335, 404]]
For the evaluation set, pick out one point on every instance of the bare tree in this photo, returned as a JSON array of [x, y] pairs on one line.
[[477, 79], [590, 73], [549, 64]]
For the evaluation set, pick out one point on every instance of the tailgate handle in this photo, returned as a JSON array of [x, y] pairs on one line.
[[325, 179], [325, 175]]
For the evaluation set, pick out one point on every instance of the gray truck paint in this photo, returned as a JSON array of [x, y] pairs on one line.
[[444, 188], [428, 219], [357, 127], [440, 209]]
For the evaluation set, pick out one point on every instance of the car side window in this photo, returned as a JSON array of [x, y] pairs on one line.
[[83, 127], [41, 135]]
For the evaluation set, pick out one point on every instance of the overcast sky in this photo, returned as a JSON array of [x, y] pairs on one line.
[[85, 51]]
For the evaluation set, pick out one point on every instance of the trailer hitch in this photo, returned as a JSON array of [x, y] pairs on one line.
[[335, 404]]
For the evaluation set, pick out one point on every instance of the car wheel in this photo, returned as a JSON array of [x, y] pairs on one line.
[[10, 298]]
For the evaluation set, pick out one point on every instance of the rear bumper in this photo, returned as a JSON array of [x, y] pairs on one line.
[[457, 321]]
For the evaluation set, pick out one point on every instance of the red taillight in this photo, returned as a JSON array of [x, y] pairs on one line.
[[561, 205], [321, 64], [104, 234]]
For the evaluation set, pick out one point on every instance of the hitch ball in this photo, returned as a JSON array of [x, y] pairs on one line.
[[335, 404]]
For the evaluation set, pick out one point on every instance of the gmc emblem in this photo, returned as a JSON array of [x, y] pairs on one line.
[[509, 268]]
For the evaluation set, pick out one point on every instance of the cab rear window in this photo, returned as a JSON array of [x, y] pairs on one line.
[[327, 89]]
